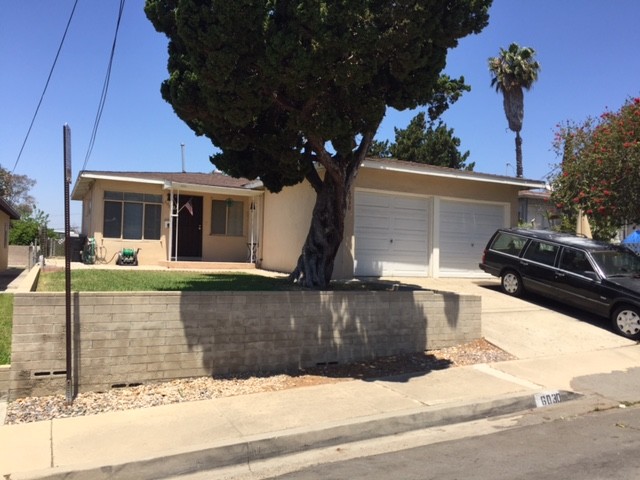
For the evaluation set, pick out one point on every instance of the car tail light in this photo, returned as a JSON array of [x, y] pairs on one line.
[[484, 255]]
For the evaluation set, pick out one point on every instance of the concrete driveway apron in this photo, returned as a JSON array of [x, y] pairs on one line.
[[527, 327]]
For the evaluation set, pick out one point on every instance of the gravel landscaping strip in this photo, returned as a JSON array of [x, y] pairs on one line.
[[33, 409]]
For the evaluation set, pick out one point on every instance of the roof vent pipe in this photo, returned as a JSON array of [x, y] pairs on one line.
[[182, 149]]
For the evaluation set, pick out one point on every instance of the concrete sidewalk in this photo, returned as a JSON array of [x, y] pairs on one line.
[[556, 352], [170, 440]]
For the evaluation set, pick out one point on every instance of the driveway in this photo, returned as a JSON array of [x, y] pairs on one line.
[[529, 327]]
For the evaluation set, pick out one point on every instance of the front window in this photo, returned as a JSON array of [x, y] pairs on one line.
[[132, 216], [617, 262], [575, 261], [227, 218]]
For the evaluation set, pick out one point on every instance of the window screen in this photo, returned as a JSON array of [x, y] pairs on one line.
[[227, 218]]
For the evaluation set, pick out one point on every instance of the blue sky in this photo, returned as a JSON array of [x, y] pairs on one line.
[[587, 50]]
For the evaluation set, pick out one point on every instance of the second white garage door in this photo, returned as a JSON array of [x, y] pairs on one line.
[[465, 229], [390, 235]]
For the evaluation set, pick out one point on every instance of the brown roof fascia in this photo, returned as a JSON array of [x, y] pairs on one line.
[[9, 210]]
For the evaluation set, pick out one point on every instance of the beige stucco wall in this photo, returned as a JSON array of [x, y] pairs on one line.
[[288, 226], [447, 188], [5, 224], [287, 216], [215, 248], [152, 251]]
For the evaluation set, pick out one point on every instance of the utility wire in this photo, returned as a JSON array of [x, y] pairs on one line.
[[105, 88], [45, 86]]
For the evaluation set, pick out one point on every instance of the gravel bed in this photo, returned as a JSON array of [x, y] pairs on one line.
[[33, 409]]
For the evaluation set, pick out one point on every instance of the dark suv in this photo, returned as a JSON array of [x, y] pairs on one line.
[[596, 276]]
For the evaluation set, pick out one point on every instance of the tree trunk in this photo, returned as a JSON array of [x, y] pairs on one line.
[[518, 155], [315, 264]]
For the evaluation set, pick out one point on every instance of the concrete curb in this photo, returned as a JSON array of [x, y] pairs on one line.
[[265, 446]]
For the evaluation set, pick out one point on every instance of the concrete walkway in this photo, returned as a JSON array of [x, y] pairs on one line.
[[555, 351]]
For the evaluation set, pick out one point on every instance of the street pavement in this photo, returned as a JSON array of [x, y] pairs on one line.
[[557, 351]]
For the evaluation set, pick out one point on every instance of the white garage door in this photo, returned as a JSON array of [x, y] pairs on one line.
[[465, 229], [390, 235]]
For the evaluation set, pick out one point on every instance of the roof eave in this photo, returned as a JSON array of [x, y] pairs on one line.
[[423, 169], [237, 191], [85, 180], [9, 210]]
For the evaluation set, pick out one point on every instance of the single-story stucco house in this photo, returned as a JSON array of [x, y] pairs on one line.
[[404, 219], [7, 213]]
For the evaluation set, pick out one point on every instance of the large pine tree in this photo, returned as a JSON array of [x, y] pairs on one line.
[[282, 86]]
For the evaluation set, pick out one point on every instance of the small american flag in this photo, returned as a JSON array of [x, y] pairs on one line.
[[189, 207]]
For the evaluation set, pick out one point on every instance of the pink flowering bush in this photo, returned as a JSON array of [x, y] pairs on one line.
[[600, 169]]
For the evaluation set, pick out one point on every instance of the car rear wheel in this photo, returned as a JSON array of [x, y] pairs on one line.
[[626, 322], [511, 283]]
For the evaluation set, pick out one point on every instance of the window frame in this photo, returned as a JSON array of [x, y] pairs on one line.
[[233, 222], [538, 255], [137, 215]]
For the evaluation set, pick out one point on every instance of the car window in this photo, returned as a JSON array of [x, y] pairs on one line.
[[508, 243], [617, 262], [575, 261], [541, 252]]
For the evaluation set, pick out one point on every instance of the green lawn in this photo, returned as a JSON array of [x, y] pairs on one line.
[[128, 280], [118, 280], [6, 321]]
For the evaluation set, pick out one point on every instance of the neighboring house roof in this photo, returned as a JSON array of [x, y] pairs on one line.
[[8, 209], [215, 182], [535, 194]]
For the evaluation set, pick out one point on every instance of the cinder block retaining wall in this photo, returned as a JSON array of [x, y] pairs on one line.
[[4, 381], [124, 339]]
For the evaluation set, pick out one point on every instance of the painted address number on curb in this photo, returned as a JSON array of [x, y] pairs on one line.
[[544, 399]]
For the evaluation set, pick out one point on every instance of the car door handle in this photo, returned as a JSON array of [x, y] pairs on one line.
[[524, 264], [560, 275]]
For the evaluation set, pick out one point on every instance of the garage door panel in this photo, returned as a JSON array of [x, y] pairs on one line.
[[373, 244], [465, 228], [416, 245], [374, 225], [409, 225], [365, 199], [390, 235]]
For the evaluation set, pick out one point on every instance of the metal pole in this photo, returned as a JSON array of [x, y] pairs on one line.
[[67, 257], [171, 225], [177, 223], [252, 210]]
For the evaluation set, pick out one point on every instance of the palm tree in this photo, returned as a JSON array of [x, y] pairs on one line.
[[512, 71]]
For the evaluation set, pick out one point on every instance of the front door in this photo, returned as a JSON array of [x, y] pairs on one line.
[[187, 229]]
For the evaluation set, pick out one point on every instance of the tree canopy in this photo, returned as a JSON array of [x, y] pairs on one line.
[[29, 228], [600, 170], [432, 144], [15, 190], [282, 87], [512, 71]]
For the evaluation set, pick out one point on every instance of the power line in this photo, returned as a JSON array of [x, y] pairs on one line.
[[105, 88], [45, 86]]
